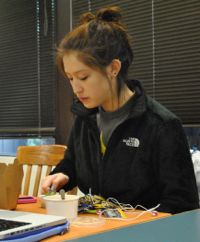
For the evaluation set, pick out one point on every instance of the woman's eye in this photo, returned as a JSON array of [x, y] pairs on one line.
[[83, 78], [70, 79]]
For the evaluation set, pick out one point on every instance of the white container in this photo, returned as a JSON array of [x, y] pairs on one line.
[[67, 207]]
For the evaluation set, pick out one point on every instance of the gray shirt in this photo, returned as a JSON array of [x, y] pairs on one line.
[[108, 121]]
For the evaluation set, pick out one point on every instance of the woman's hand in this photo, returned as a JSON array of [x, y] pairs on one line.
[[57, 180]]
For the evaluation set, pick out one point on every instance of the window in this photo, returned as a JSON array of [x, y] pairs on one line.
[[193, 135], [166, 45], [27, 69], [8, 147]]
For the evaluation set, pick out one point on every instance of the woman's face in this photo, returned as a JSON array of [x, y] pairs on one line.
[[90, 86]]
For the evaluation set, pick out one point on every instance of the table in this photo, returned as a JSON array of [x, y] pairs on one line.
[[183, 227], [80, 232]]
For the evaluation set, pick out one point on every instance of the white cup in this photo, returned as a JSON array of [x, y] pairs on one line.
[[67, 207]]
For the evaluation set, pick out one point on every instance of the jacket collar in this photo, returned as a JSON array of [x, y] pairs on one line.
[[138, 100], [138, 103]]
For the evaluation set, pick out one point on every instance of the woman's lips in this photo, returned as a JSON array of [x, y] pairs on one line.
[[83, 99]]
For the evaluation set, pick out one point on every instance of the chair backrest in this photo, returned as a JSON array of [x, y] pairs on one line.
[[42, 155]]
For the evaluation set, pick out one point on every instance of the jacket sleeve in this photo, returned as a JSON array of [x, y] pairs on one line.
[[67, 165], [178, 187]]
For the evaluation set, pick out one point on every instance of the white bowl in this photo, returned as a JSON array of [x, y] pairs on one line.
[[67, 207]]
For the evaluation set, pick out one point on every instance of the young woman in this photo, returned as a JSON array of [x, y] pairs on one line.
[[123, 144]]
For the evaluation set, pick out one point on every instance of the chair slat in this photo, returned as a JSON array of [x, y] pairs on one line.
[[27, 179], [37, 180], [49, 168]]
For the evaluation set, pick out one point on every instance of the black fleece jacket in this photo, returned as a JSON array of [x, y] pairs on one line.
[[147, 160]]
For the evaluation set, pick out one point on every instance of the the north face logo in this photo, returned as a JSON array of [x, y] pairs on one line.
[[131, 141]]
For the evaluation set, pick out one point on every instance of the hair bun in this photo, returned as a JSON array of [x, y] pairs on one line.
[[109, 14], [86, 17]]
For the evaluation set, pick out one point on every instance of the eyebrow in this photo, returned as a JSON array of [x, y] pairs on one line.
[[76, 72]]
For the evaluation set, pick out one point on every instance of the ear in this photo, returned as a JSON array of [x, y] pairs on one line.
[[114, 67]]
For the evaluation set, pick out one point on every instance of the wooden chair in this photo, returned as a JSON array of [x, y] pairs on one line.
[[40, 156]]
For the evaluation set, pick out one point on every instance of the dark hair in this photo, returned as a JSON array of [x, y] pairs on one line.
[[98, 40]]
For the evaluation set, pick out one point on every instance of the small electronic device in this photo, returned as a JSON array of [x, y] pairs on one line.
[[26, 199]]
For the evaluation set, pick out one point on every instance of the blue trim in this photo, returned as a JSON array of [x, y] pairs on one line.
[[40, 234]]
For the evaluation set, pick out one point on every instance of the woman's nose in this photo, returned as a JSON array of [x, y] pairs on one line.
[[77, 87]]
